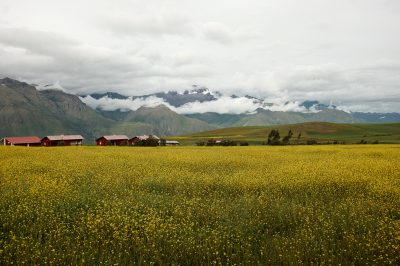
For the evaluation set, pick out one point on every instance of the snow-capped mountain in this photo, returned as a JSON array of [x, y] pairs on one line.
[[197, 100], [232, 110]]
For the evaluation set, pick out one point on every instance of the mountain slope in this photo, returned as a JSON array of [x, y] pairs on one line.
[[218, 120], [166, 122], [267, 117], [27, 111]]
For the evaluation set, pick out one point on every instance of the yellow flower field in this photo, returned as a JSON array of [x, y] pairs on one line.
[[200, 205]]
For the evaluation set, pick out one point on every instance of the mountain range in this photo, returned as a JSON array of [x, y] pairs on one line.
[[27, 110]]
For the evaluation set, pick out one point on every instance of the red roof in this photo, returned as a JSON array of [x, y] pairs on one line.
[[115, 137], [22, 140], [65, 137]]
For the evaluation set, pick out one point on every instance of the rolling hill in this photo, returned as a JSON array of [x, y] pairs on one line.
[[166, 122], [320, 131]]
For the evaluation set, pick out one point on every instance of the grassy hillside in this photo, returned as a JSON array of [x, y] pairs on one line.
[[166, 122], [320, 131]]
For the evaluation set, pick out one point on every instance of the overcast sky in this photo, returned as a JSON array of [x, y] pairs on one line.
[[344, 51]]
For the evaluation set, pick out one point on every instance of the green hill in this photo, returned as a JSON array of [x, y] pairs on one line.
[[166, 122], [320, 131]]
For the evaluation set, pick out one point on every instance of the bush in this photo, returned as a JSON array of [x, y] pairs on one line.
[[150, 142], [312, 142], [200, 143], [227, 142], [211, 142]]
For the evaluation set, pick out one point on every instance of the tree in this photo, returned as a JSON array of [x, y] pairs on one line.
[[149, 142], [163, 142], [274, 138], [287, 138]]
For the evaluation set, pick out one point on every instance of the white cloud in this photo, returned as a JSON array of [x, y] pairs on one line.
[[218, 32], [156, 24], [109, 104], [55, 86], [222, 105]]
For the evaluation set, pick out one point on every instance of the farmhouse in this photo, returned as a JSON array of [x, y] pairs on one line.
[[21, 141], [113, 140], [172, 143], [62, 140], [136, 139]]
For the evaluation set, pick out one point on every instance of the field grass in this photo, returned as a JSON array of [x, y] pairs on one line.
[[320, 131], [200, 205]]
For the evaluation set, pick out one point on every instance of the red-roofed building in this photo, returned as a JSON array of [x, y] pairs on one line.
[[113, 140], [62, 140], [21, 141]]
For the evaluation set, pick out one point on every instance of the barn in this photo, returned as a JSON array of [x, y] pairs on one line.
[[113, 140], [136, 139], [21, 141], [62, 140]]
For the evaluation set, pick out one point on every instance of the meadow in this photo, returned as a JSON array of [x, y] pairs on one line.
[[200, 205], [322, 132]]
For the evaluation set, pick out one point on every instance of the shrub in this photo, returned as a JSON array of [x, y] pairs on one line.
[[312, 142], [200, 143], [211, 142]]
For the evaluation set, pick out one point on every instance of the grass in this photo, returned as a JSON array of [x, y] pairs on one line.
[[200, 205], [320, 131]]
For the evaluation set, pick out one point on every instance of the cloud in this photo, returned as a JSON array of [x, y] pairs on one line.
[[369, 87], [222, 105], [218, 32], [109, 104], [346, 86], [157, 24], [172, 24], [44, 57]]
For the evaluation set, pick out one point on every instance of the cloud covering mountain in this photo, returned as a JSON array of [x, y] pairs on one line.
[[197, 101]]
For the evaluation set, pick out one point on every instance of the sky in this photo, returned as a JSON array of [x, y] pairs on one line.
[[345, 52]]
